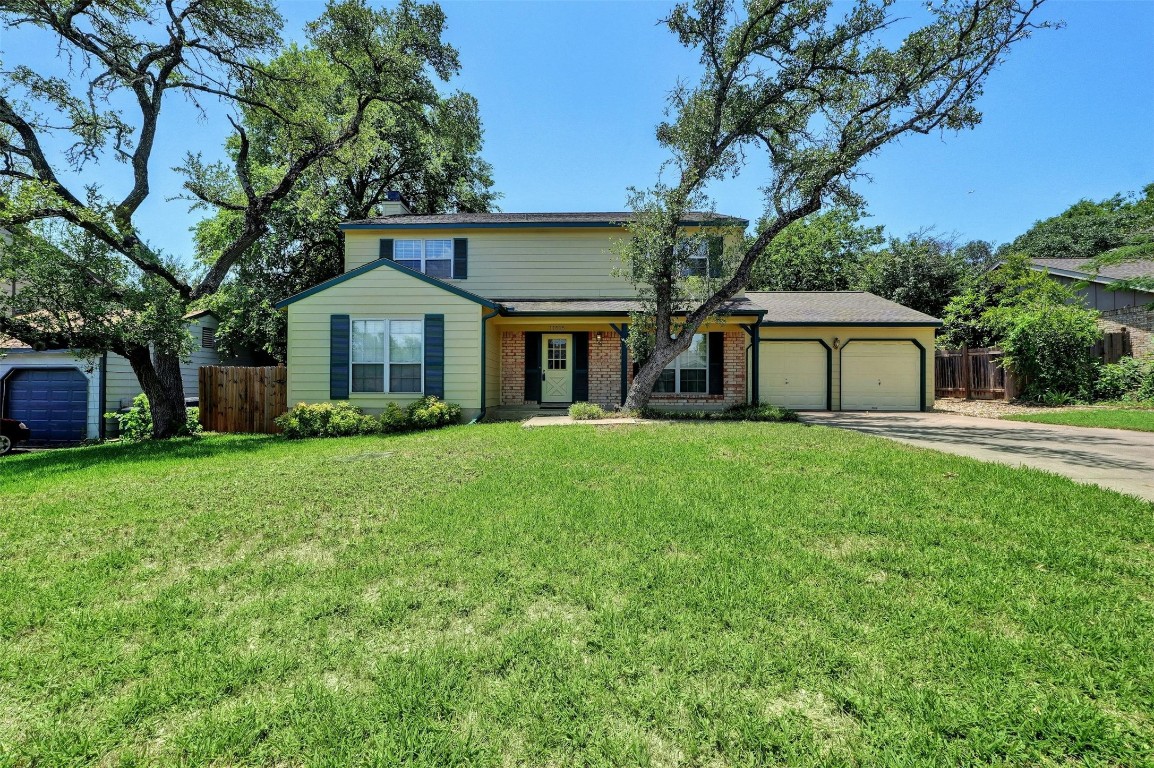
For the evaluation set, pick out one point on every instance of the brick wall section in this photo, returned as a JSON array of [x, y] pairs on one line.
[[605, 372], [1138, 321], [512, 368]]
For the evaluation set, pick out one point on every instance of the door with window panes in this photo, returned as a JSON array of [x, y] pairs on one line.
[[557, 371]]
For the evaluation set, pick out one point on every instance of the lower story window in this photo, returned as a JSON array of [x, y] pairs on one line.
[[387, 356], [689, 372]]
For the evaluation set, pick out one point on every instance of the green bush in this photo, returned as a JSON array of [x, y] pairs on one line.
[[432, 413], [346, 420], [1048, 347], [586, 411], [741, 412], [1125, 378], [135, 424]]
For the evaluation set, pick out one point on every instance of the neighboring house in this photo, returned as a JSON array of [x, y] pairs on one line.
[[62, 397], [1128, 310], [508, 310], [1095, 287]]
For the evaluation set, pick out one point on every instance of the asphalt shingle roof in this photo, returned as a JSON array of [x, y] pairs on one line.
[[623, 306], [834, 307], [1113, 272], [606, 218]]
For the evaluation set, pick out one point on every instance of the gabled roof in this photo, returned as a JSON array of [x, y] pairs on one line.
[[1077, 268], [603, 219], [737, 306], [835, 308], [378, 263]]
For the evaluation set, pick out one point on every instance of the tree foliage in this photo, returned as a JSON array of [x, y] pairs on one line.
[[816, 93], [825, 251], [921, 271], [1089, 229], [127, 61], [1048, 346], [430, 153]]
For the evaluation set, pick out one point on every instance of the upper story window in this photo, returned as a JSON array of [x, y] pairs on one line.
[[387, 356], [698, 261], [689, 371], [433, 257]]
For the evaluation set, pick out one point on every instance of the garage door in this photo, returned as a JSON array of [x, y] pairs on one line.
[[880, 376], [793, 374], [53, 402]]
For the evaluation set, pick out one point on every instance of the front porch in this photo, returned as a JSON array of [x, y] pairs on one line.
[[547, 365]]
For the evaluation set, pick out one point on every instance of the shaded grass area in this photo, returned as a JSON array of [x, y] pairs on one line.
[[1138, 419], [688, 594]]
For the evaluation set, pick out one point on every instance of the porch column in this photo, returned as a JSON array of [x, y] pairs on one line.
[[623, 332], [754, 331]]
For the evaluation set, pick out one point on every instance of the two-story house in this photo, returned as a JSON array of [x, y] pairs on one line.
[[527, 310]]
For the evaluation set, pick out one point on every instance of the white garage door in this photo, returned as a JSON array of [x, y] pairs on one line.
[[793, 374], [880, 376]]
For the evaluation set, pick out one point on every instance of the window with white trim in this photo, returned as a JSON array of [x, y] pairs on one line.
[[689, 372], [697, 264], [388, 356], [432, 257]]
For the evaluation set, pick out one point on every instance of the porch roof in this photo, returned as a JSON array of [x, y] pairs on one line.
[[605, 307]]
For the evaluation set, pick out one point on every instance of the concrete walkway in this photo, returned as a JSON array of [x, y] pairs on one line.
[[1119, 459]]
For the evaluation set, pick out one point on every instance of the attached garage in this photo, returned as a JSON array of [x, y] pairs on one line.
[[796, 374], [881, 376], [53, 402], [842, 350]]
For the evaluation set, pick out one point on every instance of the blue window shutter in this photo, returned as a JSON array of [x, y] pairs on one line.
[[460, 258], [386, 249], [716, 249], [339, 327], [580, 366], [435, 355], [532, 366], [716, 363]]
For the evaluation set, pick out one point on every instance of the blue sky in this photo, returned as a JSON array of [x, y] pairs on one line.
[[570, 93]]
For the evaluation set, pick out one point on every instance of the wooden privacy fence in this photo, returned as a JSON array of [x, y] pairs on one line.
[[237, 399], [975, 373], [1113, 346]]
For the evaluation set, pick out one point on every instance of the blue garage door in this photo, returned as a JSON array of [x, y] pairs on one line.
[[52, 402]]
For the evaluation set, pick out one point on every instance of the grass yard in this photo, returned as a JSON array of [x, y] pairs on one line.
[[1138, 419], [688, 594]]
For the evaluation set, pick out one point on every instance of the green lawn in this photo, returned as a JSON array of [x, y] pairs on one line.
[[1109, 418], [689, 594]]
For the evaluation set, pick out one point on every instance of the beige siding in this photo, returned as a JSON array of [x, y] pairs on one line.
[[492, 364], [842, 334], [383, 293], [519, 263], [121, 384]]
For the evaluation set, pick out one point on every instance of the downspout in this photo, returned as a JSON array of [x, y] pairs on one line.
[[484, 360]]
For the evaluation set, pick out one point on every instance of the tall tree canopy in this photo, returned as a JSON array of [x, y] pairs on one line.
[[920, 271], [431, 154], [817, 93], [127, 61], [825, 251], [1088, 229]]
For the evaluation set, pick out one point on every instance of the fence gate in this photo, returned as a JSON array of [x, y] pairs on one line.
[[1113, 346], [238, 399], [975, 373]]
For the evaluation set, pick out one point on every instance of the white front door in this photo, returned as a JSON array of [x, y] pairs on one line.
[[557, 359]]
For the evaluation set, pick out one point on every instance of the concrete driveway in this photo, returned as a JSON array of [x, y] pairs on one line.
[[1112, 458]]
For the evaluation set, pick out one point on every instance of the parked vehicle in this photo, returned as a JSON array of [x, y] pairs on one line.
[[12, 433]]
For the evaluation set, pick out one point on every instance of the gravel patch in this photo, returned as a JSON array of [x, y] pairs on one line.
[[993, 409]]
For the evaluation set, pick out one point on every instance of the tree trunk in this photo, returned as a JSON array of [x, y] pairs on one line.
[[647, 375], [159, 377]]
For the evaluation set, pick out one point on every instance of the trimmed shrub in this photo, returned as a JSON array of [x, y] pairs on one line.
[[586, 411], [741, 412], [325, 420], [346, 420], [135, 423], [432, 413]]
